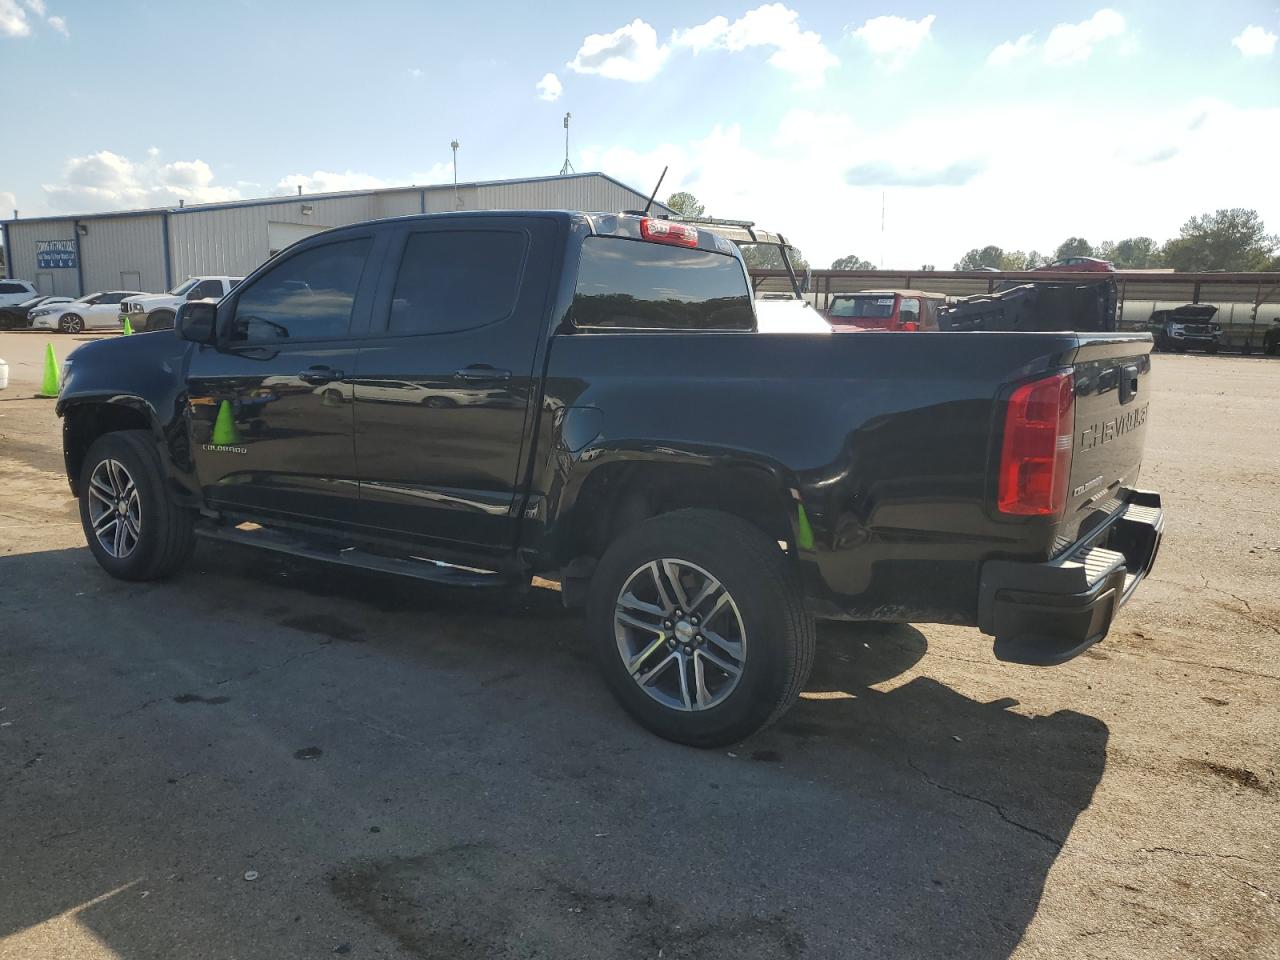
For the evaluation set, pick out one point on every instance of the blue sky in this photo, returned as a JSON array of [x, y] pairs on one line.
[[1016, 124]]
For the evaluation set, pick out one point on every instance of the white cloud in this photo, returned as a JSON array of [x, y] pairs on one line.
[[1074, 42], [153, 151], [13, 20], [1010, 50], [108, 181], [1255, 42], [800, 53], [893, 39], [414, 73], [631, 53], [549, 87], [968, 196], [324, 181], [441, 172], [8, 203]]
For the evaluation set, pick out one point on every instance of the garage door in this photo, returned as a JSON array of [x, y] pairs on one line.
[[281, 235]]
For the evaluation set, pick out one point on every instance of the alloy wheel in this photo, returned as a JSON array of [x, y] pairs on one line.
[[680, 635], [115, 510]]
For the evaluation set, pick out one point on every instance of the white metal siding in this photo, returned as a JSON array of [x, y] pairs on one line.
[[22, 258], [234, 240], [590, 193], [112, 247]]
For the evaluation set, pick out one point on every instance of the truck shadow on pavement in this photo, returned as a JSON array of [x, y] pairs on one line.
[[439, 772]]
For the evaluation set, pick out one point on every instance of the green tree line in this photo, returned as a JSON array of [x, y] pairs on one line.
[[1233, 239]]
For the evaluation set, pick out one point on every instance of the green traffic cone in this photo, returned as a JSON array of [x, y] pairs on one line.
[[49, 386], [224, 428], [128, 327]]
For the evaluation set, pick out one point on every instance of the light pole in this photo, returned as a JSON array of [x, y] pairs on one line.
[[457, 204], [568, 167]]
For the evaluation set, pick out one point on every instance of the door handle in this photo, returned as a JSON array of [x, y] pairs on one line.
[[1128, 382], [318, 375], [482, 373]]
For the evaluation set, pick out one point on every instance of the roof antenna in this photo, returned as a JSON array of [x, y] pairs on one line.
[[657, 186]]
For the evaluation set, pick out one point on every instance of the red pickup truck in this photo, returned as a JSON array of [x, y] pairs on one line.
[[905, 310]]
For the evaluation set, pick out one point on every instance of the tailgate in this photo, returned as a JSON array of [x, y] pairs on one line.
[[1112, 400]]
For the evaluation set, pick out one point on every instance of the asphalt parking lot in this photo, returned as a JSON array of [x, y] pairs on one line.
[[270, 758]]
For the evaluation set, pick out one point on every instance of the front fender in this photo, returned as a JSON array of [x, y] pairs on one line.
[[136, 382]]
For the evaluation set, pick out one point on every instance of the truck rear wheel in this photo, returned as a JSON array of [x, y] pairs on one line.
[[698, 625], [133, 528]]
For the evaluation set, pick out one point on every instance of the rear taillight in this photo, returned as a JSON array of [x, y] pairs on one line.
[[664, 231], [911, 325], [1035, 458]]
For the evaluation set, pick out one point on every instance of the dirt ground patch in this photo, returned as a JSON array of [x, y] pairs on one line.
[[415, 772]]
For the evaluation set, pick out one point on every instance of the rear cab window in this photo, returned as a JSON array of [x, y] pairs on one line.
[[872, 307], [626, 284]]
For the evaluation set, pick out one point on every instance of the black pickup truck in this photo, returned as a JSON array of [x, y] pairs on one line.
[[477, 398]]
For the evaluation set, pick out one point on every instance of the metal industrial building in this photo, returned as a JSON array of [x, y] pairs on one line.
[[153, 250]]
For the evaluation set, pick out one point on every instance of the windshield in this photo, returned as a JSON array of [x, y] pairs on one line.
[[184, 286], [870, 306]]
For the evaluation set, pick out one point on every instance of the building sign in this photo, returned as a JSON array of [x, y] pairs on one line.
[[55, 254]]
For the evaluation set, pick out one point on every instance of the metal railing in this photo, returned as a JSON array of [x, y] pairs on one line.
[[1248, 303]]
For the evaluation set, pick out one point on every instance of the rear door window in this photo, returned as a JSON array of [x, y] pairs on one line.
[[206, 289], [453, 280], [634, 285]]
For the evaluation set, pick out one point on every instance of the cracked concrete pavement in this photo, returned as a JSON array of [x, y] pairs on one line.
[[415, 772]]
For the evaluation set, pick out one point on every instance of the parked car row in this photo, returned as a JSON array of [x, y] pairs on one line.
[[18, 315], [22, 306]]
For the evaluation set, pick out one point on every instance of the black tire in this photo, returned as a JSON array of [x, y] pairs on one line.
[[1269, 347], [765, 588], [160, 320], [71, 323], [166, 537], [1211, 348], [440, 403]]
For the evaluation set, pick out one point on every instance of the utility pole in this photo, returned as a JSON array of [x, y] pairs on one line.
[[881, 229], [457, 204], [568, 167]]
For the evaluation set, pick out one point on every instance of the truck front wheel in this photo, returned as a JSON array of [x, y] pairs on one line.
[[698, 625], [134, 529]]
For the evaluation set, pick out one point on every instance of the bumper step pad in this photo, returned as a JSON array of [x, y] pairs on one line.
[[1048, 613]]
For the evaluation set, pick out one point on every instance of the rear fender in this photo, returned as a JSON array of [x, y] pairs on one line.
[[609, 488]]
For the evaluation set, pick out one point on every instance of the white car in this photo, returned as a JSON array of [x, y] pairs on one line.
[[97, 311], [156, 311], [14, 292]]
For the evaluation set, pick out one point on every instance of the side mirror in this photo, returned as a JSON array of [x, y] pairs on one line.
[[197, 321]]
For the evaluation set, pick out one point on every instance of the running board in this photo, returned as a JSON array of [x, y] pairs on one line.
[[420, 568]]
